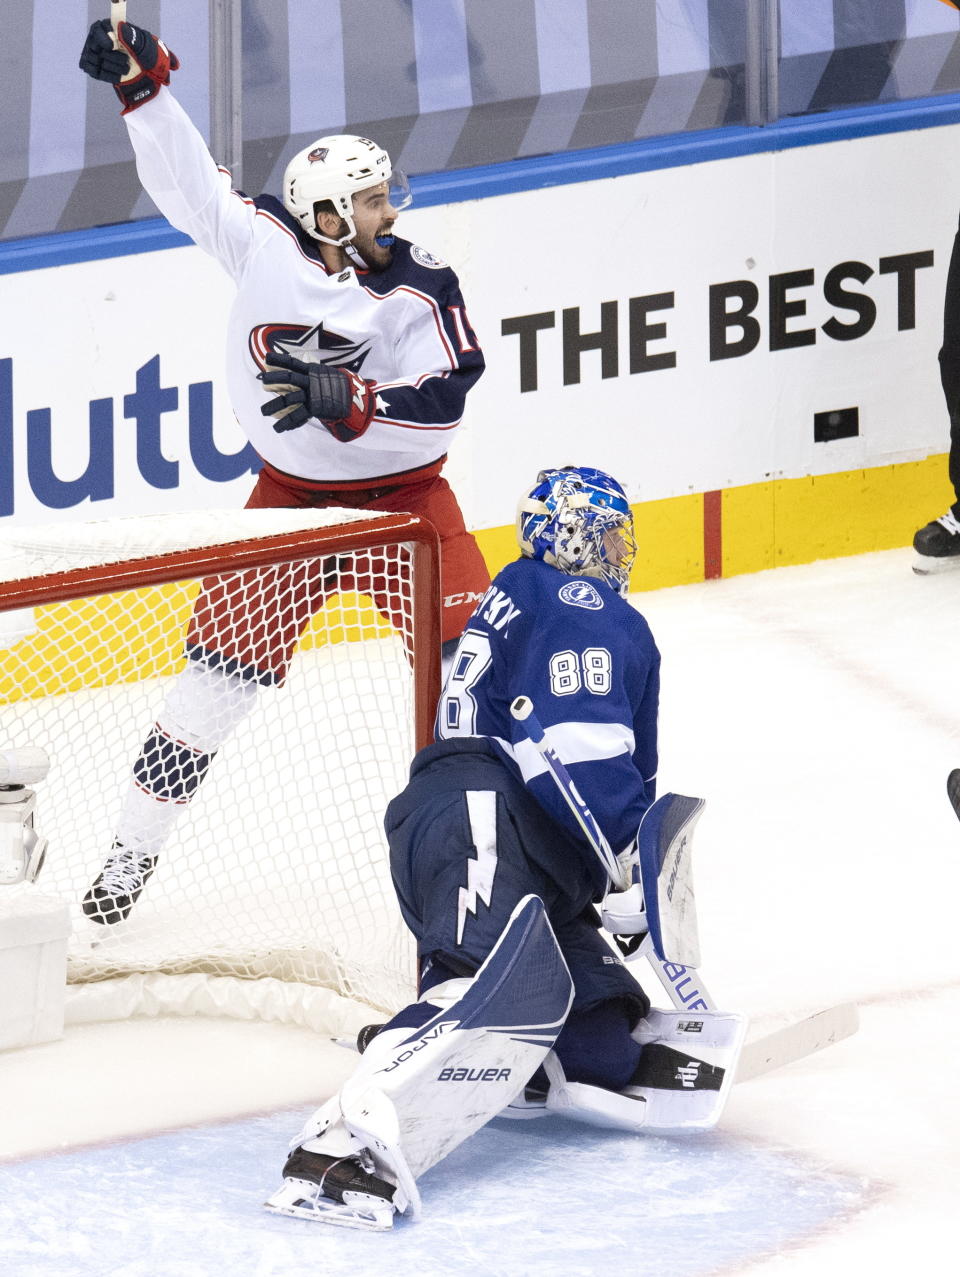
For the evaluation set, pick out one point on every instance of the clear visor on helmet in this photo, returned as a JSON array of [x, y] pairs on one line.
[[398, 190]]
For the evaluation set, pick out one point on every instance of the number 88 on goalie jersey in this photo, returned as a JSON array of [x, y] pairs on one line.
[[588, 661]]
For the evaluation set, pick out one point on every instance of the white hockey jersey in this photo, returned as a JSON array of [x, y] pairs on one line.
[[405, 328]]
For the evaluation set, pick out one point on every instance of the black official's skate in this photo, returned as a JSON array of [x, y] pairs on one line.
[[937, 546], [117, 887]]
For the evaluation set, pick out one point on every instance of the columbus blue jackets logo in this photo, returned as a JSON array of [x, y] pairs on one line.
[[581, 594], [426, 259], [318, 154], [317, 345]]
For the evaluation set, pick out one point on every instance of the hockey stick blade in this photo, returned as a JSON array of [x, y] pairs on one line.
[[953, 790], [796, 1041]]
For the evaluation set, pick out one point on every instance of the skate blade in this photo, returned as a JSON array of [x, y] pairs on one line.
[[300, 1199], [927, 565], [523, 1109]]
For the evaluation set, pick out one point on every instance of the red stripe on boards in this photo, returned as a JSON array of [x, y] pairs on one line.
[[712, 536]]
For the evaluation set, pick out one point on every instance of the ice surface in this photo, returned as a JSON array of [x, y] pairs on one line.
[[817, 709], [625, 1205]]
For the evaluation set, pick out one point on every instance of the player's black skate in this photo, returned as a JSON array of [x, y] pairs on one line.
[[117, 887], [367, 1034], [938, 545], [953, 790], [335, 1176], [333, 1190]]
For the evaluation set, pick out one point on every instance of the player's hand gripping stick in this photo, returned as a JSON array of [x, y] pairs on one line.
[[135, 62]]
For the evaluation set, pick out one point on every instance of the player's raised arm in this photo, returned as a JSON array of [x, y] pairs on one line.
[[173, 163]]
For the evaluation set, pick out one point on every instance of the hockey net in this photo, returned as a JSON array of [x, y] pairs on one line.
[[276, 873]]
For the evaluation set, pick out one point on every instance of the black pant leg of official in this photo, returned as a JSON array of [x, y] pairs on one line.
[[950, 365]]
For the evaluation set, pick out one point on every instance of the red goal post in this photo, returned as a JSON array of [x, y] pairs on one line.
[[274, 891]]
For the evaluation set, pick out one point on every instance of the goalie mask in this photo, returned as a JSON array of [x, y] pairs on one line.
[[578, 520], [335, 168]]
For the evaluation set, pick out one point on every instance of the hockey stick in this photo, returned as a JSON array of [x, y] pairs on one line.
[[682, 983], [794, 1041], [953, 790], [522, 711], [118, 14]]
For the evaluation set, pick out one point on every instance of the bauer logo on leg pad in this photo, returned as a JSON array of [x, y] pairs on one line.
[[474, 1075]]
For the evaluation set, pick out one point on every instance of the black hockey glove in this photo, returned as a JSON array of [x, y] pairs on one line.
[[336, 397], [140, 52]]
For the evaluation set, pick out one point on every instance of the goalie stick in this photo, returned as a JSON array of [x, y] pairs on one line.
[[682, 983], [522, 711]]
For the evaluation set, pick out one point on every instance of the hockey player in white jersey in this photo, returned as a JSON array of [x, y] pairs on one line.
[[349, 357], [498, 884]]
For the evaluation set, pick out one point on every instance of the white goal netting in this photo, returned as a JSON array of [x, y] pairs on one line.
[[277, 867]]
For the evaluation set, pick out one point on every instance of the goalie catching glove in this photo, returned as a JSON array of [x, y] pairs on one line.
[[340, 400], [139, 52]]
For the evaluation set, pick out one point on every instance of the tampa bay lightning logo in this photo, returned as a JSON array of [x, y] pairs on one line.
[[317, 345], [581, 594]]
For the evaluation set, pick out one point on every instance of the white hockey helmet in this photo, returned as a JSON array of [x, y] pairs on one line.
[[334, 168]]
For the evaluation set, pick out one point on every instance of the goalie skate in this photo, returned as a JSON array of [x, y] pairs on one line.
[[333, 1190]]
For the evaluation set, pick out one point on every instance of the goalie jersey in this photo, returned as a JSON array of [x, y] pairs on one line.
[[588, 661], [404, 328]]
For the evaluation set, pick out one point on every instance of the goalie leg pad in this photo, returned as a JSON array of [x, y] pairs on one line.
[[449, 1077], [416, 1095]]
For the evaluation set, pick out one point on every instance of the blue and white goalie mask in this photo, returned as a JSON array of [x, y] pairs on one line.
[[578, 520]]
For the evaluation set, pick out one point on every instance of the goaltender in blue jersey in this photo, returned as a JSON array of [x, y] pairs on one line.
[[588, 661], [524, 1006]]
